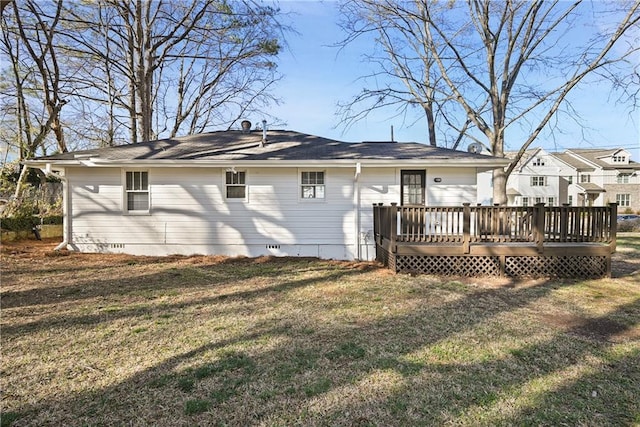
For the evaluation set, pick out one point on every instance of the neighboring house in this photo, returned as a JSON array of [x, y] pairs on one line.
[[577, 177], [614, 173], [251, 193], [581, 180], [536, 179]]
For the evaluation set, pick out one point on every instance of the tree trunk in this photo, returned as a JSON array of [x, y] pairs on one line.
[[500, 187], [431, 124]]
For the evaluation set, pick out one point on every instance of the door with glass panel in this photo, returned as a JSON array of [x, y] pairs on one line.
[[412, 195]]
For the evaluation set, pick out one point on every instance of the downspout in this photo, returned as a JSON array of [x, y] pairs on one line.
[[356, 195], [66, 223]]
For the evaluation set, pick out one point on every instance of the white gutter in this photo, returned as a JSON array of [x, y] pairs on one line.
[[277, 163]]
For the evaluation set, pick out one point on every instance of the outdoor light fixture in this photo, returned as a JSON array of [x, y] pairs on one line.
[[437, 179]]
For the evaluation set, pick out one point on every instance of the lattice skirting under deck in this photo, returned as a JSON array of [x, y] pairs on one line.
[[512, 266]]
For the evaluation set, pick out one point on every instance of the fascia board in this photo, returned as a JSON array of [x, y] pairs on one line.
[[437, 162]]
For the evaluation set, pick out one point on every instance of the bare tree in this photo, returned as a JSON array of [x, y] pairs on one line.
[[28, 43], [404, 72], [174, 67], [513, 63]]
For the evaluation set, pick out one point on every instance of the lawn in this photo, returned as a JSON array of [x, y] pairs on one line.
[[184, 341]]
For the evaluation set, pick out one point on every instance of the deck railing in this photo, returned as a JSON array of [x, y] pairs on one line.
[[465, 225]]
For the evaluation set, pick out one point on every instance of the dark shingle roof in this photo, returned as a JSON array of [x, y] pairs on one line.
[[281, 145]]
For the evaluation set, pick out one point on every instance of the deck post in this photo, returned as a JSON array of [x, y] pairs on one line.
[[564, 222], [393, 233], [376, 223], [539, 224], [466, 228], [613, 226]]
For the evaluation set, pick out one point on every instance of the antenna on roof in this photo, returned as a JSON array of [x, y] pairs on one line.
[[392, 134]]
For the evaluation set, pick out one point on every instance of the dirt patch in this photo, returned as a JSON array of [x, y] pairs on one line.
[[600, 329], [38, 250]]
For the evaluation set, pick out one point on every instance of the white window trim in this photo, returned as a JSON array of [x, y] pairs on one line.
[[246, 187], [623, 178], [537, 179], [299, 187], [627, 201], [125, 192]]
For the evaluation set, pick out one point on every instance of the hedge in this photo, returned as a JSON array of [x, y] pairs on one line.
[[26, 223]]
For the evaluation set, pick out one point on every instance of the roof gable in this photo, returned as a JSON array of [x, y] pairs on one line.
[[573, 162]]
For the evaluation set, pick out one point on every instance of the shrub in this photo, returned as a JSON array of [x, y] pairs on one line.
[[36, 204], [629, 226], [20, 223], [53, 220]]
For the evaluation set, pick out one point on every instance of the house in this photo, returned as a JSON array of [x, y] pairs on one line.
[[252, 193], [578, 177], [536, 179], [614, 176]]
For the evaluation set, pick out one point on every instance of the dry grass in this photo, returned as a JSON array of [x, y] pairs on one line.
[[119, 340]]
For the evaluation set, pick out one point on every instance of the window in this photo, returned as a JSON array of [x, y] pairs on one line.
[[525, 201], [585, 178], [538, 181], [538, 162], [539, 200], [570, 200], [413, 187], [137, 191], [623, 178], [551, 201], [570, 179], [619, 159], [236, 185], [312, 185], [623, 199]]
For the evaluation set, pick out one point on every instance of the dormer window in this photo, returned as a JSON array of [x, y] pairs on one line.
[[538, 162], [619, 159]]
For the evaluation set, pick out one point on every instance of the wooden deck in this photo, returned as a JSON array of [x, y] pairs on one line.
[[534, 241]]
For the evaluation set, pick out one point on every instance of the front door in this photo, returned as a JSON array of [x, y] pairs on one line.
[[412, 191]]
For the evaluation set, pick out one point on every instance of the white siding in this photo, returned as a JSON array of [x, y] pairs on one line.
[[552, 170], [456, 186], [189, 212], [485, 188]]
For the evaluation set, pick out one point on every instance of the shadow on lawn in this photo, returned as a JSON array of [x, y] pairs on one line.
[[318, 374], [154, 286], [312, 378], [174, 275]]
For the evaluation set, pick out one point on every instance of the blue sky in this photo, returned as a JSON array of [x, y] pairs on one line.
[[317, 76]]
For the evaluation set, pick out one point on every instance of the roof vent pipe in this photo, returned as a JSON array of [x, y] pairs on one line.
[[264, 133], [246, 126]]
